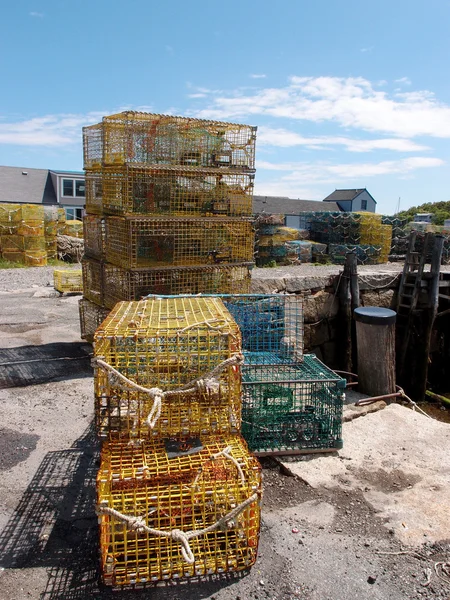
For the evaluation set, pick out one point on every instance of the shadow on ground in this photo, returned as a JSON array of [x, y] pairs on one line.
[[30, 365], [55, 527]]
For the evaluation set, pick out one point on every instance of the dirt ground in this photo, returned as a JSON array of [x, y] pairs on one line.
[[327, 537]]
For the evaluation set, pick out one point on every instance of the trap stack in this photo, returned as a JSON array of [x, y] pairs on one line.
[[22, 234], [291, 403], [178, 491], [168, 203]]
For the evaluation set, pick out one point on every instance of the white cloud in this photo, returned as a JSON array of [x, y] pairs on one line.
[[169, 49], [284, 138], [305, 173], [351, 102], [405, 80], [257, 76], [36, 14], [199, 95], [50, 130], [369, 49]]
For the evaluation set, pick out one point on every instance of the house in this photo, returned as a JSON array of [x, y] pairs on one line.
[[292, 209], [353, 200], [423, 217], [22, 185]]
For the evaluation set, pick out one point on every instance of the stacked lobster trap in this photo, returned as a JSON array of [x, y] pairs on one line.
[[168, 203], [291, 403], [178, 491]]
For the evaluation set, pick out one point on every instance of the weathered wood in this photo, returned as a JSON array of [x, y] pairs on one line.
[[376, 358], [345, 319]]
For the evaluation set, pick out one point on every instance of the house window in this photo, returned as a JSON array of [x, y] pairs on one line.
[[73, 188], [74, 213], [363, 204]]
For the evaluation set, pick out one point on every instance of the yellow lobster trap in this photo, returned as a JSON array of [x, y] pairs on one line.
[[68, 280], [133, 242], [132, 284], [94, 236], [176, 191], [177, 508], [140, 139], [167, 367]]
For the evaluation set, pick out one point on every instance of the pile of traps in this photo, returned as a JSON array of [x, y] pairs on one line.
[[178, 491]]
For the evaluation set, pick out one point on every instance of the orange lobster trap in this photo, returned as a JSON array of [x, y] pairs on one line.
[[167, 367], [141, 139], [177, 508], [132, 284], [136, 242]]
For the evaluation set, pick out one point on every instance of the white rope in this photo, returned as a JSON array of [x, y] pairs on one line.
[[177, 535], [209, 383], [226, 453]]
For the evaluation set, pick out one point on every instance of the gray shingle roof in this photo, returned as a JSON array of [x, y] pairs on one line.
[[28, 186], [282, 205], [342, 195]]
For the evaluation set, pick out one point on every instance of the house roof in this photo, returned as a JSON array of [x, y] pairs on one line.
[[346, 195], [25, 185], [68, 172], [282, 205]]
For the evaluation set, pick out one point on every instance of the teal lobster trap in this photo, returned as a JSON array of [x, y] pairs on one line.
[[292, 408], [271, 326]]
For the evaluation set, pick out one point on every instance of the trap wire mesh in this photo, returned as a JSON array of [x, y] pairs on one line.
[[181, 355], [133, 284], [141, 139], [291, 408], [176, 192], [68, 280], [177, 484], [136, 242], [91, 316]]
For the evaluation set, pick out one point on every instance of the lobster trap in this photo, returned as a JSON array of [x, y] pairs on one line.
[[91, 317], [93, 275], [68, 280], [133, 284], [134, 242], [138, 138], [167, 367], [94, 192], [94, 236], [177, 508], [271, 326], [176, 192], [292, 408]]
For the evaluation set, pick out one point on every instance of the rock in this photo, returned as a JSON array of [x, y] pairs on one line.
[[382, 298]]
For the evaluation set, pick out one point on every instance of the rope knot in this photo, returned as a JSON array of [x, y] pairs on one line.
[[137, 523], [179, 536], [209, 385]]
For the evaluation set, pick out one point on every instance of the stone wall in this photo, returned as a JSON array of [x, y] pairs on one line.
[[321, 304]]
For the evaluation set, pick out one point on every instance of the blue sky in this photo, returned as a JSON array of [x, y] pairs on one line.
[[345, 94]]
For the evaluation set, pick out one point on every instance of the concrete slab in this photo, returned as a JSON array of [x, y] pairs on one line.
[[392, 457]]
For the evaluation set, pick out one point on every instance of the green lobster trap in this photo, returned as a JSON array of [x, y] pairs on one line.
[[292, 408]]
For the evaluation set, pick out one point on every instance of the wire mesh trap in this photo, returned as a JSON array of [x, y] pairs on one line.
[[133, 284], [93, 275], [91, 316], [180, 191], [185, 507], [136, 242], [94, 236], [68, 280], [293, 407], [185, 356], [139, 138]]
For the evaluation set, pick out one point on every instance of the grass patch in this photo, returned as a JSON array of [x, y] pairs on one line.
[[9, 264]]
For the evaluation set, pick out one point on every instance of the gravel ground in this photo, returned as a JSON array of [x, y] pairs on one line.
[[21, 279], [25, 278]]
